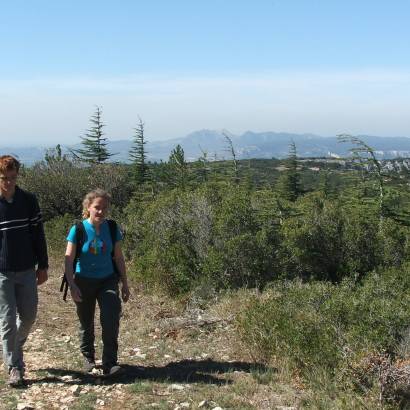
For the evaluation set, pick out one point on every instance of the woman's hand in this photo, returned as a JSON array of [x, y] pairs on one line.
[[75, 293], [125, 292]]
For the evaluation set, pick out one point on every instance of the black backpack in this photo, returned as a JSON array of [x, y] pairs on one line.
[[80, 239]]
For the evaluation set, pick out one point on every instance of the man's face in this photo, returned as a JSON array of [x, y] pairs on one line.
[[8, 182]]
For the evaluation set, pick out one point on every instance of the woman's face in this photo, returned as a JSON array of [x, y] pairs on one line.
[[98, 210]]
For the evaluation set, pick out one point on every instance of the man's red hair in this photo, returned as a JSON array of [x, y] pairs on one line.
[[8, 163]]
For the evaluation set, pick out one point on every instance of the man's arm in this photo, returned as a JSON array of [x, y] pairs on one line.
[[39, 242]]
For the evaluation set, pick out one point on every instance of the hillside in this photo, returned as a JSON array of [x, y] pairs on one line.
[[248, 145]]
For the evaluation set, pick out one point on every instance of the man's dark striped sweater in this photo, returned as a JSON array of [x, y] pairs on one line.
[[22, 240]]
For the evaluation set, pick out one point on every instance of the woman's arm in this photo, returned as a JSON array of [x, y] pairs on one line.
[[120, 264], [69, 274]]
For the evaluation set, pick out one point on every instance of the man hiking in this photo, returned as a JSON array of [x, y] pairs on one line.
[[22, 247]]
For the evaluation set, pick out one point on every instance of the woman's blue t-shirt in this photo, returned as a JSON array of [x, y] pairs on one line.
[[95, 259]]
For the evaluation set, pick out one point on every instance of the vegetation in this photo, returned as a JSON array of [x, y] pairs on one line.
[[326, 244], [138, 156], [94, 143]]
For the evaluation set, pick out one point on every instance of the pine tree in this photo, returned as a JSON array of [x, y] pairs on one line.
[[178, 167], [138, 155], [203, 168], [94, 143], [289, 182]]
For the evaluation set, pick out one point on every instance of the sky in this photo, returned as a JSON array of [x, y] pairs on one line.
[[303, 66]]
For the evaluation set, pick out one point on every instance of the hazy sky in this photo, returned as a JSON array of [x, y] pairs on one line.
[[317, 66]]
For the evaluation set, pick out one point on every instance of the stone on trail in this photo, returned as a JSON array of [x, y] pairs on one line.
[[25, 406], [140, 355], [285, 408], [67, 378], [176, 387], [75, 389]]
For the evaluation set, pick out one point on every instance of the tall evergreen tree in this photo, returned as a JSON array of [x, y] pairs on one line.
[[138, 155], [94, 143], [289, 182], [203, 166], [178, 167]]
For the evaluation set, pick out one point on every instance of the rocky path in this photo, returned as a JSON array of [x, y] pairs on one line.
[[174, 356]]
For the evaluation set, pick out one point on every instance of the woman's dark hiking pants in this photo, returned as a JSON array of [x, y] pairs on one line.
[[105, 292]]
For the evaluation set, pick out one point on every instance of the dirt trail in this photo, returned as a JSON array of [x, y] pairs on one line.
[[174, 358]]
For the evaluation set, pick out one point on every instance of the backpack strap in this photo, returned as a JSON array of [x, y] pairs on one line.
[[113, 232], [79, 241]]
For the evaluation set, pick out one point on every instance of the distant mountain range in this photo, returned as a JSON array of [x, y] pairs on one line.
[[248, 145]]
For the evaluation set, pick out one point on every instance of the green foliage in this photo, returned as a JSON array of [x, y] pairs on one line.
[[138, 156], [178, 168], [331, 332], [288, 323], [166, 255], [56, 231], [289, 184], [333, 238], [313, 240], [60, 185], [209, 234], [240, 253], [94, 143]]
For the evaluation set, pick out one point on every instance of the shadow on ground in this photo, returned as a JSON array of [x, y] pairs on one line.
[[185, 371]]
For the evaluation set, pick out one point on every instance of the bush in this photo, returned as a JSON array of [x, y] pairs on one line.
[[287, 322], [212, 234], [313, 240], [165, 255], [61, 186], [56, 231], [243, 242], [333, 330], [329, 240]]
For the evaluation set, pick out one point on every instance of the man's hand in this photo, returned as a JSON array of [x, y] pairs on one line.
[[42, 276]]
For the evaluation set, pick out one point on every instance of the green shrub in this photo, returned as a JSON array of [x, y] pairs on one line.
[[329, 240], [165, 255], [61, 186], [287, 322], [313, 240], [243, 242], [322, 326], [56, 231]]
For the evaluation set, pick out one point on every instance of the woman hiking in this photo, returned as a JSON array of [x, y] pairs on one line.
[[93, 274]]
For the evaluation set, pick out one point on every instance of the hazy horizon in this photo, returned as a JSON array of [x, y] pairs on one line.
[[299, 67]]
